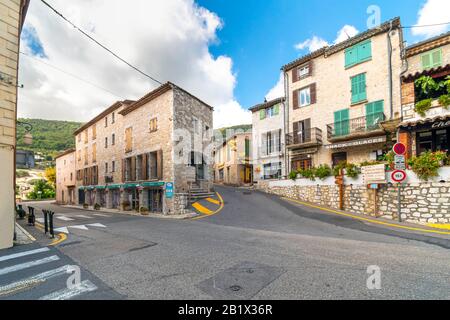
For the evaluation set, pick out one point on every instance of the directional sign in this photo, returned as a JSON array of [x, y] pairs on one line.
[[169, 190], [399, 149], [399, 162], [398, 176]]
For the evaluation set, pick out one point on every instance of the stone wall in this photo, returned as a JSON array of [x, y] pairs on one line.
[[421, 202]]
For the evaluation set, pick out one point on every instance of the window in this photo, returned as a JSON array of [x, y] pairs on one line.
[[106, 168], [113, 166], [94, 132], [106, 121], [79, 137], [79, 155], [196, 125], [304, 96], [86, 155], [272, 171], [303, 71], [358, 53], [342, 122], [228, 152], [85, 136], [431, 59], [338, 158], [358, 84], [94, 153], [113, 118], [153, 124], [374, 114], [71, 176], [247, 147], [129, 139], [113, 139], [106, 142]]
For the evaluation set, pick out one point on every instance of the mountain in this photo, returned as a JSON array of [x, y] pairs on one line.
[[49, 136], [242, 127]]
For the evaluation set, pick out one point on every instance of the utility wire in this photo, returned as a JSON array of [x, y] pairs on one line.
[[98, 43], [71, 74], [426, 25]]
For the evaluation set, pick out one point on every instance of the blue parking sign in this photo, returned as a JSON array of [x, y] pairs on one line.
[[169, 190]]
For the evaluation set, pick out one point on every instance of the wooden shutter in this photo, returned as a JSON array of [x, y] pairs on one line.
[[262, 114], [310, 65], [295, 132], [312, 92], [295, 75], [295, 103], [128, 140], [307, 130], [133, 169], [436, 57], [144, 167], [159, 164], [426, 61], [364, 51], [123, 169], [276, 110], [351, 57]]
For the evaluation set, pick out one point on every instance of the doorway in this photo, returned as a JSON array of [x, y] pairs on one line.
[[155, 200]]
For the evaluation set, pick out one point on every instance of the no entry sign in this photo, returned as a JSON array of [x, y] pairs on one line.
[[398, 176], [399, 149]]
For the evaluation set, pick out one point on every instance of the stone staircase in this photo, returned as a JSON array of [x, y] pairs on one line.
[[196, 193]]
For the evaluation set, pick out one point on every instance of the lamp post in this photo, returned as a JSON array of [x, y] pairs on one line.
[[27, 138]]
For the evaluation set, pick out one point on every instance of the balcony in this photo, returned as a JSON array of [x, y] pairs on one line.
[[304, 139], [272, 151], [362, 127]]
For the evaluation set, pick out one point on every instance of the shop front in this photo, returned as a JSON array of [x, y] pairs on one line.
[[152, 196]]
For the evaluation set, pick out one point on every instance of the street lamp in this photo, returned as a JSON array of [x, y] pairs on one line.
[[27, 138]]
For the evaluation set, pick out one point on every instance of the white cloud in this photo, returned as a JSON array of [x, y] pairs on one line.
[[432, 12], [315, 43], [311, 44], [277, 91], [168, 39]]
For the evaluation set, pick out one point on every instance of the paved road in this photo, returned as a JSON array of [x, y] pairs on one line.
[[256, 247]]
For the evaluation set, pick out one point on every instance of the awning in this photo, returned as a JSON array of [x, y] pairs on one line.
[[153, 184], [100, 187], [436, 122], [131, 185], [113, 186]]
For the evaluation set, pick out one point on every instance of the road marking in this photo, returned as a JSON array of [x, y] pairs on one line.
[[80, 227], [98, 225], [65, 294], [366, 219], [64, 218], [213, 201], [201, 208], [83, 216], [101, 215], [23, 254], [33, 281], [41, 220], [215, 212], [439, 226], [61, 237], [26, 265], [63, 230]]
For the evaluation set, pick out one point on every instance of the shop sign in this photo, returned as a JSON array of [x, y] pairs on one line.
[[356, 143], [441, 124], [169, 190]]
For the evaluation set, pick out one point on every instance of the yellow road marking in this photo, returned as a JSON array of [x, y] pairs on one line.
[[215, 212], [365, 219], [61, 237], [213, 201], [201, 208], [439, 226]]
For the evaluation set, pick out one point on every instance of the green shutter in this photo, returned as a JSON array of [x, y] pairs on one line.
[[358, 84], [351, 56], [342, 122], [374, 114], [436, 58], [364, 51], [247, 148], [426, 61], [276, 110], [262, 114]]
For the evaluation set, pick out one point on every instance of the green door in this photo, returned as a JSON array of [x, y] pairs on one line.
[[342, 122], [374, 114]]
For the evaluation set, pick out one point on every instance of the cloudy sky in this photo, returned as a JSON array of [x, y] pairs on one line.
[[226, 52]]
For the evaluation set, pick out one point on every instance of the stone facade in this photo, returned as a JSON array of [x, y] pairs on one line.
[[66, 177], [12, 15], [332, 82]]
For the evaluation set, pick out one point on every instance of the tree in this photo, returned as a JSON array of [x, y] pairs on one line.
[[50, 175], [42, 190]]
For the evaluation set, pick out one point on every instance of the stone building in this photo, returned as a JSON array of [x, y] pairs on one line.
[[342, 99], [12, 16], [151, 154], [428, 130], [268, 140], [233, 160], [65, 177]]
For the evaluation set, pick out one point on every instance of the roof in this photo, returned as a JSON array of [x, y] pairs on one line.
[[108, 110], [433, 72], [266, 104], [156, 93], [329, 50], [24, 4], [64, 153], [428, 44], [420, 121]]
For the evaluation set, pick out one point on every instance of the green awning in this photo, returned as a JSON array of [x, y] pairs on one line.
[[113, 186], [131, 185], [153, 184], [100, 187]]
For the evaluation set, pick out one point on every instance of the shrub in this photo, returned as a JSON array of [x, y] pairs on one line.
[[308, 174], [369, 163], [293, 175], [444, 100], [352, 170], [96, 206], [22, 174], [85, 205], [42, 190], [426, 165], [423, 106], [323, 171], [337, 168]]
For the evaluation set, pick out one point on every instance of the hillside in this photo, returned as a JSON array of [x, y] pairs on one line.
[[243, 127], [49, 136]]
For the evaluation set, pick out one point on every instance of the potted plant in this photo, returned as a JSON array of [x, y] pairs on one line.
[[97, 206], [85, 205], [125, 205], [144, 211]]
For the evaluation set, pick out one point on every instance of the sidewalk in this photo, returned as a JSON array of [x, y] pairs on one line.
[[136, 214], [22, 236]]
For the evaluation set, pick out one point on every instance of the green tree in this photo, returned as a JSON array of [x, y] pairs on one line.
[[50, 174], [42, 190]]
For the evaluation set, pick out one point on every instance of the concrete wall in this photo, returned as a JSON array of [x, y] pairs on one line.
[[10, 11], [65, 178]]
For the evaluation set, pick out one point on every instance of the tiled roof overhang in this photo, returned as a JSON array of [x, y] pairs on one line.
[[62, 154], [428, 44], [418, 122], [435, 73], [266, 104]]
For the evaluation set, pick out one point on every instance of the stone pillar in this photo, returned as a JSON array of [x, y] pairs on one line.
[[123, 198], [108, 198], [143, 199]]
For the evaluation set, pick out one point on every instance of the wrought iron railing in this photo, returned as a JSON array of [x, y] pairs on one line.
[[308, 136], [356, 125]]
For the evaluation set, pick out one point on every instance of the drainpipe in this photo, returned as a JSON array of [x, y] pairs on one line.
[[389, 42], [286, 121]]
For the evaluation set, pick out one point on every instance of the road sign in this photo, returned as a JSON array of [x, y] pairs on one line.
[[398, 176], [399, 149], [399, 162], [169, 190]]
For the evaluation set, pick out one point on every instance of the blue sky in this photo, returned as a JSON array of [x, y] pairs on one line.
[[260, 35]]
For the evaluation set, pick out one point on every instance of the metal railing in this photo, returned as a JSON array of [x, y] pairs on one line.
[[355, 126], [309, 136]]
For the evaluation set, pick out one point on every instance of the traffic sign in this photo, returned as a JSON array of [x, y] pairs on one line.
[[399, 149], [169, 190], [399, 162], [398, 176]]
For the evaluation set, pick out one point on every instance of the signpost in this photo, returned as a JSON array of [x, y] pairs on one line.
[[169, 190], [399, 175]]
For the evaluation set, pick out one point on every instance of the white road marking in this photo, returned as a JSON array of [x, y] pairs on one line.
[[63, 230], [83, 216], [101, 215], [65, 294], [41, 220], [34, 280], [81, 227], [26, 265], [98, 225], [23, 254], [64, 218]]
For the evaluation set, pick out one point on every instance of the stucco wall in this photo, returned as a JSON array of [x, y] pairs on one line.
[[65, 177]]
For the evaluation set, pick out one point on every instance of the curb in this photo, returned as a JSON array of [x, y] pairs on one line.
[[25, 232]]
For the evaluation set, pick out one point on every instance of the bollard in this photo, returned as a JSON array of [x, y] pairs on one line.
[[50, 217], [21, 212], [31, 216], [45, 212]]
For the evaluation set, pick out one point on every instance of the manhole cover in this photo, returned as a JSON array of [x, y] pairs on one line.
[[235, 288]]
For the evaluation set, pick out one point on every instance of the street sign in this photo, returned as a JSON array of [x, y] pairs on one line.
[[374, 174], [169, 190], [399, 149], [399, 162], [398, 176]]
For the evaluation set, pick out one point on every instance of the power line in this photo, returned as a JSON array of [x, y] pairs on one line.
[[427, 25], [71, 74], [98, 43]]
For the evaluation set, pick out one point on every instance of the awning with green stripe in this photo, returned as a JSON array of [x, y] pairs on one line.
[[153, 184], [114, 186]]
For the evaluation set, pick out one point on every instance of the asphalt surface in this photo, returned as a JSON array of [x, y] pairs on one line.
[[257, 247]]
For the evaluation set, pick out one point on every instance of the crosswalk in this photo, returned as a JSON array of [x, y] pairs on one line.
[[39, 274]]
